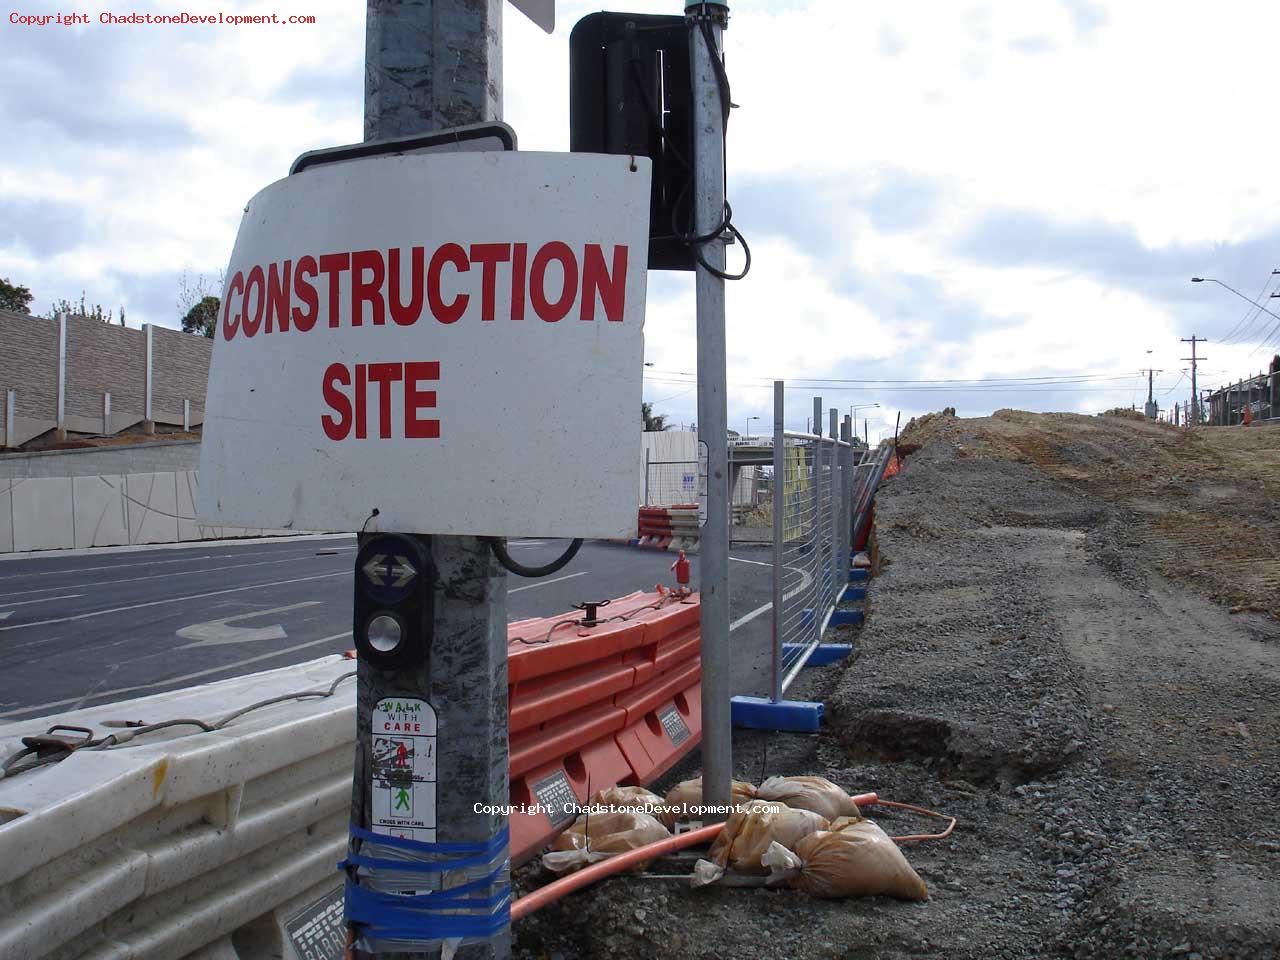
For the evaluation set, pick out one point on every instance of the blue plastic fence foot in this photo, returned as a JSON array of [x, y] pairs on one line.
[[859, 575], [823, 653], [844, 618], [761, 713], [854, 593]]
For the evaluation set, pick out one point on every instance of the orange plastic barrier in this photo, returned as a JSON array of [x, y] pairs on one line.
[[592, 707]]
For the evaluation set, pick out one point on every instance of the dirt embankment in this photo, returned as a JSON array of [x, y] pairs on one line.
[[1052, 657]]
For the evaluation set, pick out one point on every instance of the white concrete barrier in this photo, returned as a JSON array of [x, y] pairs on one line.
[[182, 843], [106, 510]]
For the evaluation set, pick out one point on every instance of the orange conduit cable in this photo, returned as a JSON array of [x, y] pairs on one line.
[[553, 891], [914, 837], [598, 871]]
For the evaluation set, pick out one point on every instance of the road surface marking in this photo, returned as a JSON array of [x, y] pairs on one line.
[[185, 545], [240, 662], [157, 603], [6, 615], [801, 587], [23, 603], [154, 576], [543, 583], [148, 563], [216, 633], [758, 563]]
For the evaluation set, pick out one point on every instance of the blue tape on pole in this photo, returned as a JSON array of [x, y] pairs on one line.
[[489, 847], [414, 918], [477, 909]]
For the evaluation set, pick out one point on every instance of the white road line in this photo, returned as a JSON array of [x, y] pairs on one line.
[[156, 603], [758, 563], [543, 583], [188, 545], [44, 571], [65, 596], [110, 566], [240, 662], [154, 576], [746, 618]]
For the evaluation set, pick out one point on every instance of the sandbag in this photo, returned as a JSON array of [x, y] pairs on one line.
[[857, 860], [599, 835], [810, 793], [630, 798], [748, 833], [683, 798]]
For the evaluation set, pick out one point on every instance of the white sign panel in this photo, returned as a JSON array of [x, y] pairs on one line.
[[404, 769], [455, 340]]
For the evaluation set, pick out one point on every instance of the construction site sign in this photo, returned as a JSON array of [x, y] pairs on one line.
[[404, 769], [453, 340]]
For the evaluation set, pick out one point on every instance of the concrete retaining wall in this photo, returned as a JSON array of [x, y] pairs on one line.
[[105, 510], [157, 456]]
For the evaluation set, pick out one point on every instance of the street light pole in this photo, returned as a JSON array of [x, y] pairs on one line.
[[1236, 292]]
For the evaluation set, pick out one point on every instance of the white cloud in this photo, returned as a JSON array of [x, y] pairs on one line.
[[1105, 149]]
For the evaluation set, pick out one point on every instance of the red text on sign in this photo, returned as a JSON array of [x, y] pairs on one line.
[[362, 398], [371, 288]]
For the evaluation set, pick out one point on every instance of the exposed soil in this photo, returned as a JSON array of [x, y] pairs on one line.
[[1051, 656]]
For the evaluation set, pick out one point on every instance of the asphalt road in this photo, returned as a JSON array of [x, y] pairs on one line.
[[114, 625]]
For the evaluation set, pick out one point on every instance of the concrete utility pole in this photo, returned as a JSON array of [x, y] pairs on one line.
[[1194, 417], [713, 566], [428, 66]]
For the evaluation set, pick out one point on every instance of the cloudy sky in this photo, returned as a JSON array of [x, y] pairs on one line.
[[932, 190]]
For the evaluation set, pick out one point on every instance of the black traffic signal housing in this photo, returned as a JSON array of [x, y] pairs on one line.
[[394, 600], [630, 92]]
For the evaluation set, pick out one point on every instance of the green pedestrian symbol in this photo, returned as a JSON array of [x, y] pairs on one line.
[[402, 799]]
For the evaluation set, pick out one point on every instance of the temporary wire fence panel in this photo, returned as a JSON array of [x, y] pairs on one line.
[[671, 482], [814, 550]]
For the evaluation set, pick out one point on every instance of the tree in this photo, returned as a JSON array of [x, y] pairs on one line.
[[203, 317], [652, 423], [198, 304], [14, 297], [84, 310]]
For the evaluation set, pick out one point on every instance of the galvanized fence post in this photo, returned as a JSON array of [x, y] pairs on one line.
[[646, 475], [833, 512], [779, 532]]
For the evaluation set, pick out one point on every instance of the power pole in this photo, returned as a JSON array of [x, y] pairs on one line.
[[430, 66], [1194, 412], [709, 113], [1150, 410]]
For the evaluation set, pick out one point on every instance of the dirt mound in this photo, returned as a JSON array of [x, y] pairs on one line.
[[1203, 503], [1046, 639]]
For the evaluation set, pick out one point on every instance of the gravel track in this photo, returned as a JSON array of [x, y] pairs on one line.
[[1105, 733]]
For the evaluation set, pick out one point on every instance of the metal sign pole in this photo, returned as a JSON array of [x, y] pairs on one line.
[[713, 567], [430, 66]]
